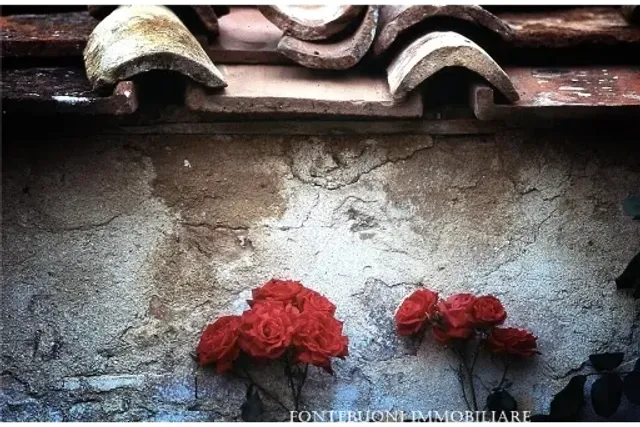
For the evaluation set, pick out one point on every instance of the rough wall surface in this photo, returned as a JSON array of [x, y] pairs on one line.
[[117, 251]]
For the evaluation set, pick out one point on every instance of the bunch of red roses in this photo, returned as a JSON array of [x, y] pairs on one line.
[[462, 316], [460, 321], [287, 322], [283, 316]]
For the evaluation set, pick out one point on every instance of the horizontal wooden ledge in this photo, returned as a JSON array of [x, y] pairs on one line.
[[567, 27], [254, 92], [314, 127], [45, 35], [41, 90], [567, 93], [113, 126], [276, 92], [588, 86]]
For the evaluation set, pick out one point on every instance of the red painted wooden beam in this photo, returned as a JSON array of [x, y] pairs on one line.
[[577, 92]]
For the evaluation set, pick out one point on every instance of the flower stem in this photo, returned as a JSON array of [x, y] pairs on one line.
[[288, 370], [460, 374], [264, 391], [302, 381], [465, 372], [590, 374], [507, 364], [471, 377]]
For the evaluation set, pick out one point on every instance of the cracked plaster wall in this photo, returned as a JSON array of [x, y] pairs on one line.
[[117, 251]]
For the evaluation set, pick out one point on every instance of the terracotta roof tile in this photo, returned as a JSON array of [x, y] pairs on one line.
[[312, 22], [246, 37], [279, 91], [412, 52], [395, 20], [200, 19], [127, 43], [338, 55], [436, 51]]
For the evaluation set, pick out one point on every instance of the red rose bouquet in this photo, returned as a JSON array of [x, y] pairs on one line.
[[467, 325], [286, 322]]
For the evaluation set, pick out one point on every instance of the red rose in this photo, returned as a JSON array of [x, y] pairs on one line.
[[488, 311], [219, 343], [267, 329], [441, 336], [415, 310], [308, 299], [277, 290], [317, 338], [456, 319], [512, 341]]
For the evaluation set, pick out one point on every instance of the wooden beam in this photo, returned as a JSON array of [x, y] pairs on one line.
[[45, 35], [316, 127], [570, 27], [570, 93], [62, 90]]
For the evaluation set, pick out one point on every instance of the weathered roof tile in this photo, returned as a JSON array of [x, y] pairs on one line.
[[141, 38], [198, 18], [338, 55], [246, 37], [438, 50], [276, 90], [397, 19], [65, 34], [312, 22]]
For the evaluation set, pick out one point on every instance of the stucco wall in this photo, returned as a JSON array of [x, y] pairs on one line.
[[118, 250]]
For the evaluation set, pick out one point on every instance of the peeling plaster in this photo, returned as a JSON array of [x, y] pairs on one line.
[[120, 254]]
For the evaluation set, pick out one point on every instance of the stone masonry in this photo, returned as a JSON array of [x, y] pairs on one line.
[[118, 250]]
